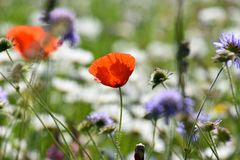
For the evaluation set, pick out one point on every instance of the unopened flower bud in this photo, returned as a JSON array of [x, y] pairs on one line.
[[223, 135], [5, 44], [139, 152], [84, 125], [183, 50], [223, 56], [108, 129], [16, 72], [159, 76], [210, 126]]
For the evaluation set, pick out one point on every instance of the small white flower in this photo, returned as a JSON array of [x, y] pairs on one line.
[[212, 15], [89, 27]]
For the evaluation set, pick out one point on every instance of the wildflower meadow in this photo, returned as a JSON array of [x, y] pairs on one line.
[[119, 80]]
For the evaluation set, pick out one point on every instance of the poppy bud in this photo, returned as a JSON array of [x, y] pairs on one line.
[[139, 152]]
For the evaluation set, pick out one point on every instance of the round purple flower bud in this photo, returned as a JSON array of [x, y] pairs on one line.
[[100, 119], [168, 103], [62, 22]]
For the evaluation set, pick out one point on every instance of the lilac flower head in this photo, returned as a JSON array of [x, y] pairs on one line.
[[168, 103], [101, 119], [62, 21], [228, 49]]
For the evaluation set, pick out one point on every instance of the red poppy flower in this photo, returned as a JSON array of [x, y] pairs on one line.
[[113, 69], [32, 42]]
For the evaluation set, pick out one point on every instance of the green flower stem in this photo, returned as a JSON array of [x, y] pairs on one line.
[[199, 112], [55, 141], [169, 141], [209, 143], [154, 122], [118, 133], [95, 145], [43, 104], [21, 133], [115, 145], [49, 112], [9, 57], [49, 132], [232, 90], [121, 108], [213, 143], [6, 137]]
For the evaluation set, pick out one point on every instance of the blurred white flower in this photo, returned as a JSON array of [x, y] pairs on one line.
[[123, 45], [224, 151], [124, 29], [88, 26], [14, 55], [35, 18], [72, 55], [16, 148], [94, 94], [48, 121], [234, 29], [212, 15], [198, 45], [66, 85], [160, 50], [84, 74]]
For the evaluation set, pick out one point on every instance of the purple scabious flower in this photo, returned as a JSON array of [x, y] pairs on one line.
[[62, 21], [228, 49], [168, 103], [100, 119]]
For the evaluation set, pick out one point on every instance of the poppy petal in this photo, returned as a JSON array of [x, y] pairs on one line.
[[113, 69], [32, 41]]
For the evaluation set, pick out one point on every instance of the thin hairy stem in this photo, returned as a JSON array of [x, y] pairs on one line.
[[95, 145], [199, 112], [169, 143], [115, 145], [213, 143], [209, 143], [154, 122], [232, 91], [10, 58], [20, 94], [118, 134]]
